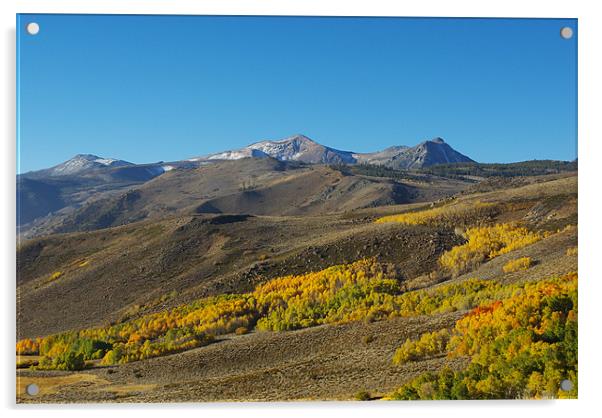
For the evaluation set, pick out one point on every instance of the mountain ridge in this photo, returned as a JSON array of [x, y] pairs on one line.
[[297, 147], [84, 182], [78, 164], [301, 148]]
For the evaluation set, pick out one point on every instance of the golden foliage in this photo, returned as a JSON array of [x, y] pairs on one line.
[[363, 290], [241, 330], [522, 263], [523, 345], [485, 243], [56, 275], [448, 215], [348, 292], [28, 346], [572, 251], [339, 293], [428, 345]]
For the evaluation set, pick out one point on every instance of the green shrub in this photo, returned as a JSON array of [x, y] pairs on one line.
[[64, 361], [363, 396]]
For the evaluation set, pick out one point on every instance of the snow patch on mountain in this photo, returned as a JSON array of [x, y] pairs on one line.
[[301, 148], [105, 161], [237, 154], [293, 148], [84, 162]]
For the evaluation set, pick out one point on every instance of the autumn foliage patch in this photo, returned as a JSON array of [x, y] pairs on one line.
[[457, 213], [520, 347], [484, 243], [349, 292], [519, 264]]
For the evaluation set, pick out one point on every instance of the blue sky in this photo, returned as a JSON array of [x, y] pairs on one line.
[[150, 88]]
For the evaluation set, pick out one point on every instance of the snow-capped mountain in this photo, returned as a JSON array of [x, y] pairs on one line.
[[70, 184], [93, 165], [294, 148], [81, 163], [301, 148], [238, 154], [85, 177]]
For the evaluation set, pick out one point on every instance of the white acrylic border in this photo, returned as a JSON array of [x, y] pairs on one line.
[[590, 34]]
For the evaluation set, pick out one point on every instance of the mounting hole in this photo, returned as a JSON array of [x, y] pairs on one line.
[[32, 28], [32, 389], [566, 32], [566, 385]]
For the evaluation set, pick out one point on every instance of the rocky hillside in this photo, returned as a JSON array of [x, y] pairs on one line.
[[425, 154], [257, 186], [48, 194]]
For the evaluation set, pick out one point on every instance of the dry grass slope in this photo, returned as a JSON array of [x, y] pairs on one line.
[[184, 258]]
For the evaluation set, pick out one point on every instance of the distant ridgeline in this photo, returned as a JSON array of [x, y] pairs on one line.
[[524, 168], [460, 170]]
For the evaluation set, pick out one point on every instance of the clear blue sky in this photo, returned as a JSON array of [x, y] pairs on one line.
[[146, 88]]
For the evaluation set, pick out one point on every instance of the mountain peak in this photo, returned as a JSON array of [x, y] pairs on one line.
[[299, 147], [297, 137], [426, 153], [80, 163], [87, 157]]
